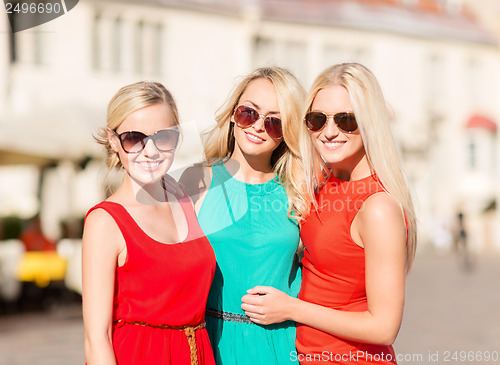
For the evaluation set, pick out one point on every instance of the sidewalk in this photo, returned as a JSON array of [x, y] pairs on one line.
[[451, 315], [43, 338]]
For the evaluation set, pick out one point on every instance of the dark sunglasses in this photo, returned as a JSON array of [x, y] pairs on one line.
[[244, 116], [316, 121], [165, 140]]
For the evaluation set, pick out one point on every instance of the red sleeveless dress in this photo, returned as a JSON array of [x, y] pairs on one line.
[[333, 273], [161, 284]]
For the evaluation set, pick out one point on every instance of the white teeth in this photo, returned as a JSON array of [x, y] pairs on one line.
[[333, 144], [254, 138], [149, 165]]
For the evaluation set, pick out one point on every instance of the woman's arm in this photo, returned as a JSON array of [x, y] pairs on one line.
[[101, 245], [380, 228]]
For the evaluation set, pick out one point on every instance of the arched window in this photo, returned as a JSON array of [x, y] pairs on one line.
[[481, 135]]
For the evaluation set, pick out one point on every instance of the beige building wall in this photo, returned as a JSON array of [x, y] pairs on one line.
[[488, 12], [4, 58], [432, 85]]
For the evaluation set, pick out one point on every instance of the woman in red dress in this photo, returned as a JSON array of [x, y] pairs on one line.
[[360, 235], [147, 267]]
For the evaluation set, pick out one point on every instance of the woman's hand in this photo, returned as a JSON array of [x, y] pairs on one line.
[[267, 305], [172, 186]]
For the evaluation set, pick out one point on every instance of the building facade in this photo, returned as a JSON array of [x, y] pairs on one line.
[[437, 62]]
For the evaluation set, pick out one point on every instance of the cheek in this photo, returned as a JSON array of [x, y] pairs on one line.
[[170, 161], [357, 142], [238, 133], [126, 158], [315, 137], [276, 144]]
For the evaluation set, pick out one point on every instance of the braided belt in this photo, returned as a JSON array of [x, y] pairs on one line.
[[188, 330], [228, 316]]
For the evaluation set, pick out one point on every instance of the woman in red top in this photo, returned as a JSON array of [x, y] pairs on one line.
[[147, 267], [360, 235]]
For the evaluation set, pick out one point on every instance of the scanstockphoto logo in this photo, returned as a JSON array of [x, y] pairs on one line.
[[25, 14]]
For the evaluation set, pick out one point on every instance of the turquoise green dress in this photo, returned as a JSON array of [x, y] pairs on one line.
[[255, 244]]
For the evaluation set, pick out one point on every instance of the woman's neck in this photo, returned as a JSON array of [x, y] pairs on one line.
[[135, 192], [250, 169], [357, 171]]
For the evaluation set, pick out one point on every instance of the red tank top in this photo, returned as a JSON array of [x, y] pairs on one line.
[[333, 273], [160, 284]]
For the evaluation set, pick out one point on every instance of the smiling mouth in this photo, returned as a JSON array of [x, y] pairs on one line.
[[149, 166], [333, 145], [254, 138]]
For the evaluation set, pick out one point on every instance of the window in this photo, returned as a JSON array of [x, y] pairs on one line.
[[138, 47], [117, 45], [157, 49], [264, 51], [472, 154], [38, 55], [289, 54], [113, 51], [96, 43], [435, 83], [26, 47], [12, 41], [294, 58]]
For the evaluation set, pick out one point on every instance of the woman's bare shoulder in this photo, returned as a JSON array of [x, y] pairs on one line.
[[100, 227]]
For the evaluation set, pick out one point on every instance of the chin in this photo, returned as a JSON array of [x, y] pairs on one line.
[[144, 180], [331, 158], [255, 150], [251, 149]]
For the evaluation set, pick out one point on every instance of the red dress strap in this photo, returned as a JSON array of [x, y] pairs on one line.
[[127, 225], [194, 229]]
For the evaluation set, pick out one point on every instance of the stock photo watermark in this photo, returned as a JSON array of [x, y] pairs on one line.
[[26, 14], [437, 356]]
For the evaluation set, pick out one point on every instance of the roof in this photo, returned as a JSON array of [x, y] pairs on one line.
[[481, 122], [424, 19], [421, 18]]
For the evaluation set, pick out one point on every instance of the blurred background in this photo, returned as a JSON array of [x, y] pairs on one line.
[[438, 62]]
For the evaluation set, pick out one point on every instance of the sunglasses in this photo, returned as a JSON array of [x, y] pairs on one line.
[[316, 121], [164, 140], [244, 116]]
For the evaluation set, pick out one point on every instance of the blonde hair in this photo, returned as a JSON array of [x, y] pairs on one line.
[[371, 114], [127, 100], [285, 160]]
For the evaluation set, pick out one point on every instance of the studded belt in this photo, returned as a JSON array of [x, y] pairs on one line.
[[228, 316]]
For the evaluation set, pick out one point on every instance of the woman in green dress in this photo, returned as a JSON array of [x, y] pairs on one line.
[[247, 199]]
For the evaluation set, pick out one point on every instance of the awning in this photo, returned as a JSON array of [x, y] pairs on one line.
[[49, 136], [481, 122], [22, 158]]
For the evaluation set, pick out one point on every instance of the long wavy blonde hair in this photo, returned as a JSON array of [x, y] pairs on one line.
[[219, 141], [370, 109]]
